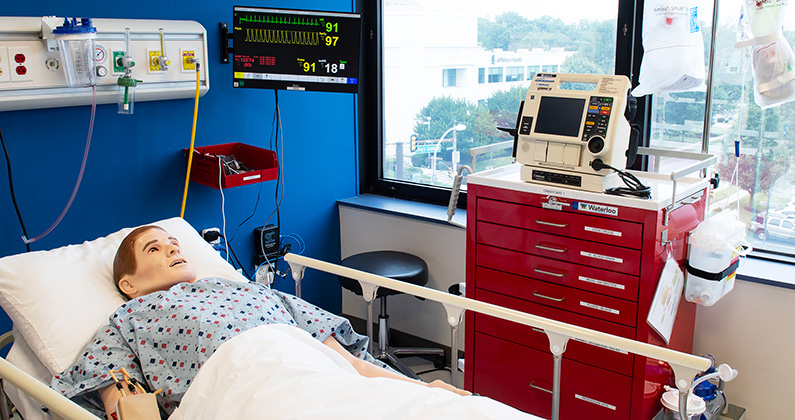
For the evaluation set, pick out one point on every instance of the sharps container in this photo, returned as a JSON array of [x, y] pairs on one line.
[[714, 252], [670, 402], [76, 44]]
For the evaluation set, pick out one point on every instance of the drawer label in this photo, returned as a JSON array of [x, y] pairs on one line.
[[601, 346], [603, 231], [593, 401], [599, 308], [595, 208], [602, 257], [601, 282]]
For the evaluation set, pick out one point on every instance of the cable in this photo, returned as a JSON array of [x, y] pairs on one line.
[[11, 188], [223, 206], [192, 142], [79, 176], [634, 188], [232, 250]]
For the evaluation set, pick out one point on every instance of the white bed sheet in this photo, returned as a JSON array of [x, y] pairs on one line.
[[281, 372]]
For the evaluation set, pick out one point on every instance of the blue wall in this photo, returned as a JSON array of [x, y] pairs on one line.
[[136, 169]]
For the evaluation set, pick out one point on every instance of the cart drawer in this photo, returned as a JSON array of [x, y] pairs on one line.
[[522, 377], [582, 226], [608, 257]]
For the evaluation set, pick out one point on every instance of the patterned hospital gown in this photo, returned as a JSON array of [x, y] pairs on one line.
[[163, 338]]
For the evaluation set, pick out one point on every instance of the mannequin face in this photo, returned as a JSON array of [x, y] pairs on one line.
[[159, 265]]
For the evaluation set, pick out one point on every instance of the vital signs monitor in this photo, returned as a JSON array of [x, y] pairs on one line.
[[572, 129]]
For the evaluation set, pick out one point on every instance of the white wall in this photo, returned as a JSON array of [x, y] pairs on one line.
[[750, 328], [442, 247]]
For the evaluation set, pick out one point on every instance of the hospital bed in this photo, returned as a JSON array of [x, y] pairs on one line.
[[57, 300]]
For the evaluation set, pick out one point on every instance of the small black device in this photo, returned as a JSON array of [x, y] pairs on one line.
[[266, 243], [295, 49]]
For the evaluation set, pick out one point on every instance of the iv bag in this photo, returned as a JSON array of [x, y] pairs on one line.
[[673, 48], [773, 58]]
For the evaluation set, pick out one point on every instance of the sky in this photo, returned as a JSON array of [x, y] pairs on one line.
[[576, 10]]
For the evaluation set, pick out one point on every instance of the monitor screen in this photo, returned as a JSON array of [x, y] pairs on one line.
[[560, 116], [296, 49]]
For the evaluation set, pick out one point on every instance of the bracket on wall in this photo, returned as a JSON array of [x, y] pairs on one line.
[[226, 36]]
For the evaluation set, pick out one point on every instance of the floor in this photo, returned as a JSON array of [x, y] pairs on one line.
[[424, 368]]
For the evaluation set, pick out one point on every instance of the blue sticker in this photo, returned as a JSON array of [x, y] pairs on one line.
[[694, 20]]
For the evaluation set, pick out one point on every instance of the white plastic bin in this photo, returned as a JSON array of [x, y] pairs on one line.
[[716, 246]]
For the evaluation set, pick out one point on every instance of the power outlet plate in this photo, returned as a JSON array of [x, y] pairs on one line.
[[5, 66], [21, 64]]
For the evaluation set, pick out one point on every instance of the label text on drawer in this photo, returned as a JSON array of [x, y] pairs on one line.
[[593, 401], [617, 350], [601, 282], [599, 308], [602, 257], [595, 208], [603, 231]]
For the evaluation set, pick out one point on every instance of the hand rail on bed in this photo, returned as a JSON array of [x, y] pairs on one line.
[[685, 365], [56, 402]]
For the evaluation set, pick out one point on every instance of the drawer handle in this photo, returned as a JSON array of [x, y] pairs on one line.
[[553, 224], [549, 248], [549, 273], [536, 294], [538, 330], [534, 386]]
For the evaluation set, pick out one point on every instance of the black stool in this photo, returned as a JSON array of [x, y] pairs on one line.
[[397, 266]]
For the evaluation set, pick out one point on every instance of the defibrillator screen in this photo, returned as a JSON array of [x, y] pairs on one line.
[[560, 116]]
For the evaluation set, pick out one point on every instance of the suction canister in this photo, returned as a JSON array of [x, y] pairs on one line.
[[76, 44]]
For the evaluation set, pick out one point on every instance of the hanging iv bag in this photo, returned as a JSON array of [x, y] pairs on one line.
[[673, 48], [772, 57]]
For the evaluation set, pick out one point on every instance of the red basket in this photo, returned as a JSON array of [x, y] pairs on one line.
[[205, 170]]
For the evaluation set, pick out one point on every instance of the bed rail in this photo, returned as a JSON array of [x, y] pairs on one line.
[[42, 393], [685, 365]]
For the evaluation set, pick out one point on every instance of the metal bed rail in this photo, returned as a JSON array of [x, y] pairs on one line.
[[685, 365]]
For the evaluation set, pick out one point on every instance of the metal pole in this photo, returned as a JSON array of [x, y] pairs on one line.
[[708, 102], [454, 356]]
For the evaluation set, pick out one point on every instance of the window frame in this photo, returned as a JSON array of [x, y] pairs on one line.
[[371, 93]]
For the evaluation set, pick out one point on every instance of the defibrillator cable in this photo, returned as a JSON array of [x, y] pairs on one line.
[[79, 176], [192, 142], [634, 187]]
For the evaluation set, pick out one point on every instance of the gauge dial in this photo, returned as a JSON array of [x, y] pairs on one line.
[[100, 53]]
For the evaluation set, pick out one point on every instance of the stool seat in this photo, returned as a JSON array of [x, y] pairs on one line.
[[399, 266], [393, 264]]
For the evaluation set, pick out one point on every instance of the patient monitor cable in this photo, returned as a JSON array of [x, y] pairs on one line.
[[11, 188], [79, 176]]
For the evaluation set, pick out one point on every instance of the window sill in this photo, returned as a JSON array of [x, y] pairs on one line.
[[755, 270], [772, 273], [411, 209]]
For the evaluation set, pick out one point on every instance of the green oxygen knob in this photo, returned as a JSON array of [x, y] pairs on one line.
[[128, 81]]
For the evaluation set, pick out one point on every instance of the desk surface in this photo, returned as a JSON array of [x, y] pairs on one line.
[[507, 177]]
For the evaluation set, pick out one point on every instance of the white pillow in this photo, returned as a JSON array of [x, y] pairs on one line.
[[58, 299]]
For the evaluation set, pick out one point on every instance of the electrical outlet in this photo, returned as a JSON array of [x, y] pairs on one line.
[[5, 65], [264, 275], [20, 64], [212, 235]]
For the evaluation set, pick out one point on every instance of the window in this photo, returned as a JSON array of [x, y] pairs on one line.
[[491, 42], [549, 68], [495, 74], [514, 74], [531, 71], [448, 77], [763, 176]]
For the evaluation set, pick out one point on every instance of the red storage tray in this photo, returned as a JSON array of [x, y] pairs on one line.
[[205, 170]]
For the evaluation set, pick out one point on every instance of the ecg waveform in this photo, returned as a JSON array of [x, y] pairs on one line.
[[277, 36], [280, 20]]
